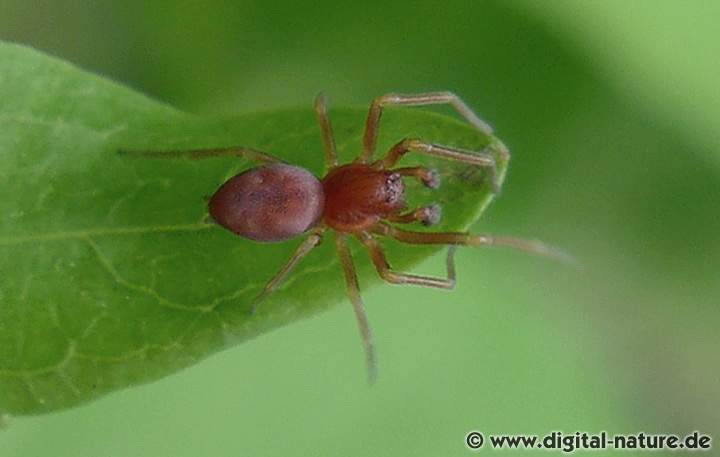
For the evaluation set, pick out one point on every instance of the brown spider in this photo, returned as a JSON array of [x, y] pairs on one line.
[[277, 201]]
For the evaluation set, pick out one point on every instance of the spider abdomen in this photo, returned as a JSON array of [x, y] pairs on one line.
[[269, 203], [358, 196]]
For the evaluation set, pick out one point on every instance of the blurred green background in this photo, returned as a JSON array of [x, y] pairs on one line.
[[612, 112]]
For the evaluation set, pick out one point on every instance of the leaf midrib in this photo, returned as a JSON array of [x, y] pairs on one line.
[[94, 232]]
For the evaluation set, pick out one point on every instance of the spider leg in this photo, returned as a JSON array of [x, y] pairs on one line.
[[430, 98], [427, 215], [430, 178], [313, 240], [394, 277], [354, 294], [469, 239], [232, 151], [321, 109], [479, 159]]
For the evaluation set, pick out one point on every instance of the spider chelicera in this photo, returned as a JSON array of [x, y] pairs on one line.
[[278, 201]]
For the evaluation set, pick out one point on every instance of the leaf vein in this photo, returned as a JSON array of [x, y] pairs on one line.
[[96, 232], [107, 264]]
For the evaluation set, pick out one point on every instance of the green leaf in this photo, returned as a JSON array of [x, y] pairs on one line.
[[110, 277]]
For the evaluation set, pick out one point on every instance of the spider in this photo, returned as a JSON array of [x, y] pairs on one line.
[[277, 201]]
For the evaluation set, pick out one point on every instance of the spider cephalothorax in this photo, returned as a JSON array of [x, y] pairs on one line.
[[359, 196]]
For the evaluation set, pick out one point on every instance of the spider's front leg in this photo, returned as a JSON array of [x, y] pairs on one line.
[[430, 98], [394, 277], [474, 240], [479, 159]]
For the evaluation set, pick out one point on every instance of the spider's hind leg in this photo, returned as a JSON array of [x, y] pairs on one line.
[[353, 289], [321, 109], [233, 151], [313, 239]]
